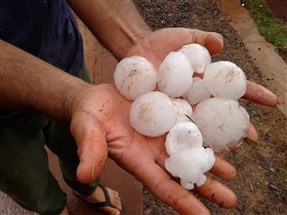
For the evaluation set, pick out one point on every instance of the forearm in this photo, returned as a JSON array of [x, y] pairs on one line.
[[117, 24], [28, 83]]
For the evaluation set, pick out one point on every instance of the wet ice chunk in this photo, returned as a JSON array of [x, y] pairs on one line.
[[183, 110], [183, 136], [197, 92], [198, 56], [225, 79], [190, 165], [135, 76], [174, 75], [223, 123], [152, 114]]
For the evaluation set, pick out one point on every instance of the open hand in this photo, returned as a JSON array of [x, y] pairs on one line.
[[158, 44], [100, 125]]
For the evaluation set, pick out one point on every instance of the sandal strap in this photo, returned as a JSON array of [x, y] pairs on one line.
[[107, 201]]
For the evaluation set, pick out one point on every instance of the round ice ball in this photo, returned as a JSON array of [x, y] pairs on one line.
[[183, 136], [225, 79], [174, 75], [223, 123], [135, 76], [197, 55], [197, 92], [190, 165], [152, 114], [183, 110]]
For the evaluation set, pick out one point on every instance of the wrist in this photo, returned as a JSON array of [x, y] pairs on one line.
[[96, 102], [72, 100], [134, 40], [118, 25]]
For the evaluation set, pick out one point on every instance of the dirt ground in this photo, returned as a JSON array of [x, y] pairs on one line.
[[278, 11], [261, 182]]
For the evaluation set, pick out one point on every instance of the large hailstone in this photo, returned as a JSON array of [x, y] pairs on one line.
[[197, 55], [190, 166], [152, 114], [197, 92], [183, 136], [135, 76], [225, 79], [223, 123], [183, 110], [174, 75]]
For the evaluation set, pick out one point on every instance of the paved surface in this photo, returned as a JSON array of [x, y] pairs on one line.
[[272, 66]]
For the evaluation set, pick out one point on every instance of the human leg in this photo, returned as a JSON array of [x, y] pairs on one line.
[[24, 172], [104, 198]]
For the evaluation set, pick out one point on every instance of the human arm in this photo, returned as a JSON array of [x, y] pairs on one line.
[[116, 24], [28, 83]]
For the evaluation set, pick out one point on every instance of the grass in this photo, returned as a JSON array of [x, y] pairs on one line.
[[270, 27], [283, 173]]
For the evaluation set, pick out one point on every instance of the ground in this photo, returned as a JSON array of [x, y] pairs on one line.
[[261, 182]]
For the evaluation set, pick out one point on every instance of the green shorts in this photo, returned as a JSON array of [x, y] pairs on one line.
[[24, 170]]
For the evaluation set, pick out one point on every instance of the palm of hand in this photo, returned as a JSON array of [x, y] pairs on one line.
[[105, 127]]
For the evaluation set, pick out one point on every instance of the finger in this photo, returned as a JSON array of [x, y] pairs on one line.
[[168, 191], [139, 161], [260, 94], [92, 149], [211, 40], [172, 39], [223, 169], [252, 133], [217, 193], [177, 37]]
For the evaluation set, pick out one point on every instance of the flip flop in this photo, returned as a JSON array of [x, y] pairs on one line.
[[106, 203]]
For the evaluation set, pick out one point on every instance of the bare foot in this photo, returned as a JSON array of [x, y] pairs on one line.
[[106, 199], [65, 211]]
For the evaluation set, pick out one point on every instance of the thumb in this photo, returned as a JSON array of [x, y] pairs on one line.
[[171, 39], [92, 150], [211, 40], [177, 37]]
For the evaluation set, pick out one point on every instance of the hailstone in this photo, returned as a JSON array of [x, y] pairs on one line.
[[223, 123], [174, 75], [197, 92], [152, 114], [135, 76], [198, 56], [190, 165], [225, 79], [183, 110], [183, 136]]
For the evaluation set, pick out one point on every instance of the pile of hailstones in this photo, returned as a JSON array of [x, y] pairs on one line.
[[193, 101]]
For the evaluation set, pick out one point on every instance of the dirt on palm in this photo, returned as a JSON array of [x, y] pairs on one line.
[[261, 182]]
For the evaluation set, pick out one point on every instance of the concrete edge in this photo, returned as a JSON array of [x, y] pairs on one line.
[[272, 66]]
